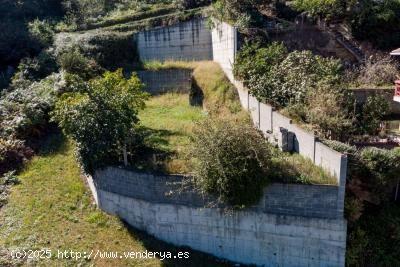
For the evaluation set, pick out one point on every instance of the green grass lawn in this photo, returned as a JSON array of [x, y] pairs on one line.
[[52, 208], [169, 118]]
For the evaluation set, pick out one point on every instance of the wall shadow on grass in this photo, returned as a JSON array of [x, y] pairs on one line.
[[196, 258]]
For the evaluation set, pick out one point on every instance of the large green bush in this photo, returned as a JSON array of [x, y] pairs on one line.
[[282, 78], [24, 110], [231, 161], [34, 69], [242, 14], [329, 111], [372, 114], [101, 117]]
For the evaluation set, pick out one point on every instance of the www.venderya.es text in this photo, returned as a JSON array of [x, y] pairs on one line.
[[96, 254]]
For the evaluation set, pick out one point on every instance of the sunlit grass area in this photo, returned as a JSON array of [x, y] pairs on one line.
[[170, 119], [52, 208]]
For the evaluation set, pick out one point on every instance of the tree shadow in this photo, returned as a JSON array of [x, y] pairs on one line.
[[149, 149], [54, 143], [196, 258]]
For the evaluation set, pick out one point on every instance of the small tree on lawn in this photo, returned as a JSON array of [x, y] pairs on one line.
[[101, 117]]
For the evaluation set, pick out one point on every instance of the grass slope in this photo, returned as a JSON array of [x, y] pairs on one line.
[[52, 208]]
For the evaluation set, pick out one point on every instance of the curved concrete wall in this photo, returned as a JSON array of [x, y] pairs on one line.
[[254, 236]]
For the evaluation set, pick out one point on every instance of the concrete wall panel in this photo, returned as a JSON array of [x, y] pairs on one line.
[[268, 234], [161, 81], [189, 40]]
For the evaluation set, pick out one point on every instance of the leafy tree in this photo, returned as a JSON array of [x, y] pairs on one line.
[[101, 117], [231, 161]]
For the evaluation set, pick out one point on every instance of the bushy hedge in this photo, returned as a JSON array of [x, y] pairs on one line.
[[231, 161]]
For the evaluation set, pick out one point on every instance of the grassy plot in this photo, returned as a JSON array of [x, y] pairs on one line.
[[52, 208], [169, 120]]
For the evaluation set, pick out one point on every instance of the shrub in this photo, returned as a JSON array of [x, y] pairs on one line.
[[189, 4], [24, 111], [378, 72], [373, 111], [110, 50], [325, 8], [381, 169], [41, 31], [101, 118], [12, 154], [255, 60], [242, 14], [300, 73], [282, 78], [327, 110], [34, 69], [232, 161], [74, 62], [9, 178]]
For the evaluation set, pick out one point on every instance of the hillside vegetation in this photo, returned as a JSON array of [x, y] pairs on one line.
[[52, 208]]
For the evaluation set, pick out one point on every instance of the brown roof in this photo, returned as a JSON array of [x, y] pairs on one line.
[[395, 52]]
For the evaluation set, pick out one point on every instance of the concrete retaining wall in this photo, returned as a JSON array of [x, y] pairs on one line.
[[161, 81], [252, 236], [189, 40], [289, 199]]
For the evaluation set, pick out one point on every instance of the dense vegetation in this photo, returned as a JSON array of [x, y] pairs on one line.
[[232, 161], [374, 221], [101, 116], [374, 21], [309, 88]]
